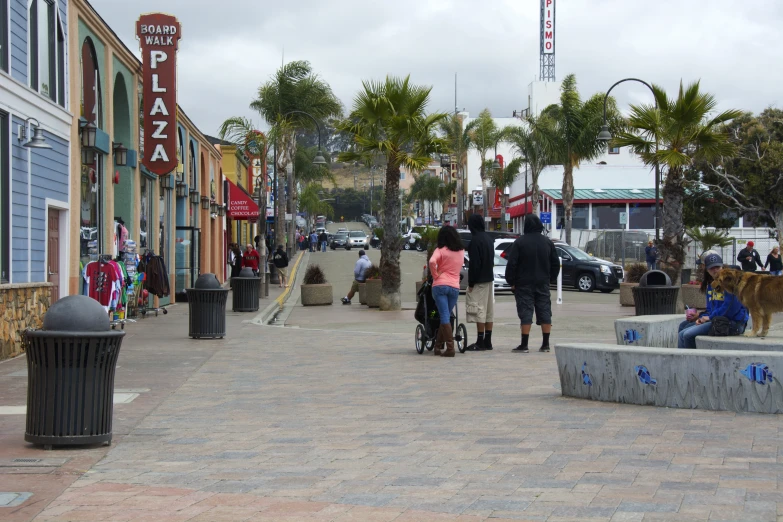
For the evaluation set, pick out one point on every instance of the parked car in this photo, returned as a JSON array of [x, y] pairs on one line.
[[464, 235], [586, 273], [340, 240], [358, 239], [375, 242], [499, 270], [412, 241]]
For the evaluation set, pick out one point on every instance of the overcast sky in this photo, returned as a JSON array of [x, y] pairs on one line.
[[230, 47]]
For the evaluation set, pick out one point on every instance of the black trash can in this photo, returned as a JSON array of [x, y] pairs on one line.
[[273, 277], [70, 374], [247, 289], [207, 308], [655, 294]]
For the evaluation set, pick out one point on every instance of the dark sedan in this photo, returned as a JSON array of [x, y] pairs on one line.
[[339, 240]]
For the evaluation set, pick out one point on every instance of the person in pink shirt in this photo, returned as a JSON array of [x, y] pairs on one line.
[[445, 266]]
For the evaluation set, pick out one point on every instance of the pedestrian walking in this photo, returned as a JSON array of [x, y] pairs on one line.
[[532, 265], [749, 257], [251, 258], [651, 253], [719, 304], [313, 241], [445, 266], [774, 262], [480, 298], [323, 239], [359, 269], [235, 260], [280, 260]]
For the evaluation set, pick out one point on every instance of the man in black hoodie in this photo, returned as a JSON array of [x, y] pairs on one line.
[[479, 298], [532, 265]]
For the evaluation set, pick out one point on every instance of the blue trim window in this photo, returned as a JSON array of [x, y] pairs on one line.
[[4, 38], [614, 150], [5, 195], [46, 50]]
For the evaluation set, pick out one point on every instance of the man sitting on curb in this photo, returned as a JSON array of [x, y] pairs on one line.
[[359, 269]]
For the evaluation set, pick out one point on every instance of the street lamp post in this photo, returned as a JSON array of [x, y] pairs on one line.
[[606, 136]]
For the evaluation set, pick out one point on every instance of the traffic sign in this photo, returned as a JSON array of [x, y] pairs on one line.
[[546, 218], [623, 218]]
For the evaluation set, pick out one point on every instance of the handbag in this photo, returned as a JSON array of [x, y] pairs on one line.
[[723, 327]]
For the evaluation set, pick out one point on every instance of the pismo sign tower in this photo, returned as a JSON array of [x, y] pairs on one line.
[[159, 35]]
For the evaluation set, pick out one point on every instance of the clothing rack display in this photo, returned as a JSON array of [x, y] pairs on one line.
[[152, 274], [108, 283]]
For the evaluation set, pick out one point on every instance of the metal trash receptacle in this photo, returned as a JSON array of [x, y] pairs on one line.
[[655, 294], [207, 308], [274, 278], [247, 290], [71, 363]]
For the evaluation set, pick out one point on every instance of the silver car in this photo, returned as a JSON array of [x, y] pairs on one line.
[[358, 239], [499, 270]]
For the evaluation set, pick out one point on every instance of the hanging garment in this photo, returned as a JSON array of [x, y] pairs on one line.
[[101, 282]]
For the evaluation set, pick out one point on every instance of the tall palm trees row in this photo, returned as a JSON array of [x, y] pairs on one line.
[[389, 124]]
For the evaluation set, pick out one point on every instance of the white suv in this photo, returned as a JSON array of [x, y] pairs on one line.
[[358, 239]]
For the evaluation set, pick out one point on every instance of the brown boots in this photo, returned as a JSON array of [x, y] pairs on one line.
[[446, 336], [438, 342]]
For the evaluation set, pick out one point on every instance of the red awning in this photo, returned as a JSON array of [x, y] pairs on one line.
[[241, 204], [521, 210]]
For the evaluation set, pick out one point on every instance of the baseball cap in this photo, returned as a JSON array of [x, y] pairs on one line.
[[712, 260], [751, 243]]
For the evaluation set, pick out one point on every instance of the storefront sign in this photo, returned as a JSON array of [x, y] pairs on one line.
[[548, 27], [240, 204], [159, 35]]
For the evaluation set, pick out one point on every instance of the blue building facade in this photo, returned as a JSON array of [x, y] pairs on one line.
[[34, 95]]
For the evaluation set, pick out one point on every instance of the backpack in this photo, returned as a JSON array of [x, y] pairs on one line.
[[723, 327]]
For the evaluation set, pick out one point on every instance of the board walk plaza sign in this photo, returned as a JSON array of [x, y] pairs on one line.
[[159, 36]]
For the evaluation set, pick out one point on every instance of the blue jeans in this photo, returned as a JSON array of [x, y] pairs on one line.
[[445, 299], [776, 272], [689, 331], [650, 265], [323, 246]]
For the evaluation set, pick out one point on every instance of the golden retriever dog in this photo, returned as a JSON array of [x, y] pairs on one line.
[[761, 294]]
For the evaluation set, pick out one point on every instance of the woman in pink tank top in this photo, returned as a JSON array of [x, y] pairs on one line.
[[445, 265]]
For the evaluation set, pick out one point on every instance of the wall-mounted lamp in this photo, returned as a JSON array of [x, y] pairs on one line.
[[182, 190], [38, 141], [165, 182], [89, 132], [194, 197], [213, 208], [221, 210], [204, 203], [120, 154]]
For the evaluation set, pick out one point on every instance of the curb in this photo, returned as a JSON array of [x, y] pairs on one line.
[[272, 309]]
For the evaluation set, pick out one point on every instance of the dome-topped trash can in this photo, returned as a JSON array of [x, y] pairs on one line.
[[247, 290], [207, 308], [655, 294], [71, 363]]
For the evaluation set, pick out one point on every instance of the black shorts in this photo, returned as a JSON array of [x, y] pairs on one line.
[[534, 298]]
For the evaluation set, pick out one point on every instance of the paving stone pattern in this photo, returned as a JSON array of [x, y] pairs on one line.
[[293, 424]]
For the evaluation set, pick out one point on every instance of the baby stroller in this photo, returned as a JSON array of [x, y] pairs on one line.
[[429, 322]]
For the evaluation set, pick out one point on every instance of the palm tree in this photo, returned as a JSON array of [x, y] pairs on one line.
[[502, 178], [483, 135], [311, 201], [457, 137], [294, 87], [707, 238], [529, 142], [426, 189], [685, 133], [389, 120], [571, 138]]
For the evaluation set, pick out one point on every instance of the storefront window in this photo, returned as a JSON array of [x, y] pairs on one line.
[[164, 210], [89, 211], [642, 216], [607, 216], [579, 212], [145, 221]]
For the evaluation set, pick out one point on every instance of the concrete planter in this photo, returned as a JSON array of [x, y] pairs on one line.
[[418, 287], [626, 294], [372, 293], [692, 296], [362, 294], [314, 295]]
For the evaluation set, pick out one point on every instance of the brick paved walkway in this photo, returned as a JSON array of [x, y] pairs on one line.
[[294, 424]]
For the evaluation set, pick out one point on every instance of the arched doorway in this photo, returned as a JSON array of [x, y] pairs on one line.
[[91, 225], [123, 189]]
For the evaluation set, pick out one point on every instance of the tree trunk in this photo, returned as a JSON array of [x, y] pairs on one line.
[[568, 199], [534, 192], [672, 248], [503, 227], [390, 246]]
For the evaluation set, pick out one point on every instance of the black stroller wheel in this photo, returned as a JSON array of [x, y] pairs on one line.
[[430, 344], [461, 338], [420, 340]]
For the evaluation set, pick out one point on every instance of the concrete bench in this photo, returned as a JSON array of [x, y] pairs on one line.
[[773, 342], [731, 380], [648, 330]]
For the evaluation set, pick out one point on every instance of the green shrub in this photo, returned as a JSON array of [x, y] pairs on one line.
[[378, 232], [314, 276]]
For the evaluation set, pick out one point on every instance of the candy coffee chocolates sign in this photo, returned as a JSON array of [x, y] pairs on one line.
[[159, 35]]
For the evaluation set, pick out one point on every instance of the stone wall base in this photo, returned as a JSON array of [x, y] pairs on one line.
[[22, 306]]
